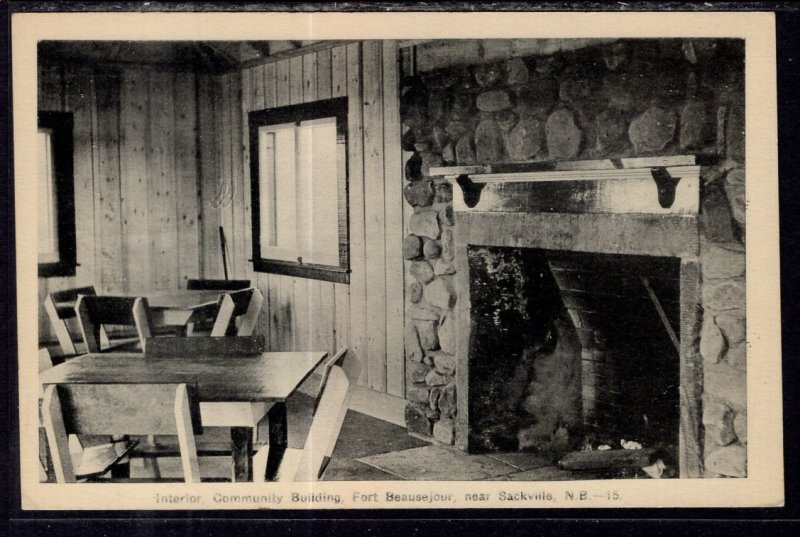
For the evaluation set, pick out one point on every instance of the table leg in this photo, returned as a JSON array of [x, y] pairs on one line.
[[242, 453], [278, 439]]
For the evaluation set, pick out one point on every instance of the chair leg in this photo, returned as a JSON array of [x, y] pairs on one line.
[[151, 463]]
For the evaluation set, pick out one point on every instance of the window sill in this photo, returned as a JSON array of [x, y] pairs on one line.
[[303, 270], [61, 268]]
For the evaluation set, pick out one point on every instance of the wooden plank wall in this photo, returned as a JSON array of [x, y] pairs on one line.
[[301, 314], [136, 180]]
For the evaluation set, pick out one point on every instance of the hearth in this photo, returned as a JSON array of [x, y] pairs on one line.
[[572, 350]]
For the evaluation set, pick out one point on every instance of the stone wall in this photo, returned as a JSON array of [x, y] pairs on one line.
[[622, 99]]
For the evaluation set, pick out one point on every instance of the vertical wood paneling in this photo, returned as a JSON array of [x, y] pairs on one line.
[[136, 175], [226, 169], [162, 206], [393, 196], [133, 169], [209, 148], [110, 234], [80, 98], [374, 215], [188, 261], [324, 74], [355, 146], [285, 311], [239, 231]]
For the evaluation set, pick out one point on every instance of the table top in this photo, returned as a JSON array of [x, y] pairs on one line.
[[267, 377]]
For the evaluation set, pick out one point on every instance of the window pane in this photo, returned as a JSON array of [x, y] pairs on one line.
[[317, 192], [277, 185], [47, 212]]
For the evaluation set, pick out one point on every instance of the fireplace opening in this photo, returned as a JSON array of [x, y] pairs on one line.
[[572, 351]]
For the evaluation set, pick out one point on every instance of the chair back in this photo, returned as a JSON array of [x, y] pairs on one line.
[[328, 416], [60, 307], [95, 311], [237, 313], [119, 409], [217, 285]]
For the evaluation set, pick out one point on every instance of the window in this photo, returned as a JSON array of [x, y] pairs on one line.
[[298, 161], [56, 212]]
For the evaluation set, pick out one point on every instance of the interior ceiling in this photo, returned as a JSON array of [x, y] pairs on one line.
[[214, 56]]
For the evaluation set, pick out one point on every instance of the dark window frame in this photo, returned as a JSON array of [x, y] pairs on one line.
[[337, 108], [61, 125]]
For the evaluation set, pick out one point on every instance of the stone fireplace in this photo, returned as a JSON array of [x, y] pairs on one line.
[[576, 248], [578, 329]]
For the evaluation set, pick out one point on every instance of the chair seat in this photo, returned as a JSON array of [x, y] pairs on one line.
[[233, 414], [98, 460]]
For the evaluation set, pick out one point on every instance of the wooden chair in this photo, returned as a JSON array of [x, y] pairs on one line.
[[217, 285], [95, 311], [116, 409], [237, 313], [60, 309], [309, 463]]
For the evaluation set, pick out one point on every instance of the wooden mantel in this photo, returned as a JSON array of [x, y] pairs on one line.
[[651, 185]]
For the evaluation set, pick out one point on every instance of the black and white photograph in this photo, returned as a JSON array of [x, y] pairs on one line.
[[514, 268]]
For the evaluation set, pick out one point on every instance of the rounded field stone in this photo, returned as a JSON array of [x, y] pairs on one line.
[[416, 420], [446, 214], [563, 135], [449, 153], [441, 293], [430, 160], [419, 193], [626, 91], [516, 71], [524, 141], [457, 129], [440, 138], [415, 292], [444, 192], [494, 101], [422, 312], [462, 108], [730, 461], [425, 224], [718, 420], [694, 125], [412, 247], [726, 383], [465, 151], [432, 250], [488, 141], [416, 372], [448, 245], [611, 128], [443, 267], [712, 344], [739, 425], [733, 327], [413, 167], [718, 262], [438, 106], [447, 335], [413, 349], [422, 271], [506, 120], [724, 295], [444, 431], [536, 98], [735, 190], [716, 220], [427, 335], [434, 378], [652, 130], [447, 401]]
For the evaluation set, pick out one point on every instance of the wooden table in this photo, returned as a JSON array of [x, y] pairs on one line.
[[270, 377]]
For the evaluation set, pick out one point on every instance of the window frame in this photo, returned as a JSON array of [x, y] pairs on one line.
[[61, 125], [336, 108]]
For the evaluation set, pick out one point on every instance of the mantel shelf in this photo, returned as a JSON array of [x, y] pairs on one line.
[[568, 170]]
